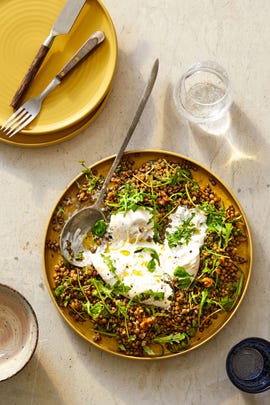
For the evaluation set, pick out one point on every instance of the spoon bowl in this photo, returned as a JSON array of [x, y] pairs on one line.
[[80, 224], [75, 232]]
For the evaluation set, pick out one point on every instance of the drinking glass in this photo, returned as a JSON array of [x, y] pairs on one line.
[[248, 365], [203, 93]]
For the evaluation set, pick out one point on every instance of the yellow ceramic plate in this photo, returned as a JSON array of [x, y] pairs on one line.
[[202, 176], [25, 24], [52, 138]]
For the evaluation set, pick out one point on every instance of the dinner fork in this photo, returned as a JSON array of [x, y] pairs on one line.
[[31, 108]]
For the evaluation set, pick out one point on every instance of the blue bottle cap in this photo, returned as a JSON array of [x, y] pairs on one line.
[[248, 365]]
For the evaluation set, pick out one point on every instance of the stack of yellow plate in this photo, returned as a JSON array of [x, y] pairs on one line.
[[25, 24]]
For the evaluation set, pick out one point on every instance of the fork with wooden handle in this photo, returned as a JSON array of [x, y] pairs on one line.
[[31, 108]]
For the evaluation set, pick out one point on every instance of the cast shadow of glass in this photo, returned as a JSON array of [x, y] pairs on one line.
[[237, 139]]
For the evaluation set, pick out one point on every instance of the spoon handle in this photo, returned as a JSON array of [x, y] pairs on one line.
[[144, 99]]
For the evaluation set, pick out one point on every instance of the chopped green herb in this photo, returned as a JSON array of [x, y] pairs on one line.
[[59, 290], [60, 210], [204, 295], [151, 265], [171, 339], [79, 256], [129, 198], [109, 263], [183, 277], [217, 224], [120, 288], [99, 228], [182, 234], [155, 295], [94, 310], [149, 351], [91, 179]]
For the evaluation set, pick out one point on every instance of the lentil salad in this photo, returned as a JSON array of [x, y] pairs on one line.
[[141, 330]]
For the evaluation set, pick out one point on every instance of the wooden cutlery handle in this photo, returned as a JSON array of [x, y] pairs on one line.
[[32, 71], [82, 53]]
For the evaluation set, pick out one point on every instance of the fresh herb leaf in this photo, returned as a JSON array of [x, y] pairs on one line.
[[229, 303], [151, 265], [226, 233], [85, 169], [94, 310], [148, 351], [183, 277], [217, 223], [102, 290], [182, 234], [99, 228], [120, 288], [79, 256], [109, 262], [129, 198], [91, 179], [60, 210], [204, 295], [122, 309], [176, 176], [171, 339], [59, 290], [155, 295]]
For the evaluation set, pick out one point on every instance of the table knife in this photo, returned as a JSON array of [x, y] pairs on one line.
[[63, 25]]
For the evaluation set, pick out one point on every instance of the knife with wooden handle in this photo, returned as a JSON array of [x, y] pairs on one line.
[[95, 39], [63, 25]]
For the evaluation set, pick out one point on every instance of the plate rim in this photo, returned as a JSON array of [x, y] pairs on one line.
[[55, 141], [95, 105], [21, 298], [247, 277]]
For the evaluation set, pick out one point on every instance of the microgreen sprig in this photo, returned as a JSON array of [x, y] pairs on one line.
[[182, 234]]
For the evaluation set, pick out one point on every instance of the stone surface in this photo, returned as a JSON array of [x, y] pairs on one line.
[[66, 370]]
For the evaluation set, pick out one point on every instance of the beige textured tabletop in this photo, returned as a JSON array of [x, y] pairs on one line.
[[66, 370]]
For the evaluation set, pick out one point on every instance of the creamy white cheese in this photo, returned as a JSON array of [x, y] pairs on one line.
[[131, 256]]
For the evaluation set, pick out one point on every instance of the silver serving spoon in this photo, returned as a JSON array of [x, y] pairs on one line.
[[77, 227]]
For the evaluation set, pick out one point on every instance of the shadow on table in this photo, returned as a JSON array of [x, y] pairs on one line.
[[32, 385], [132, 382], [233, 139], [239, 138]]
